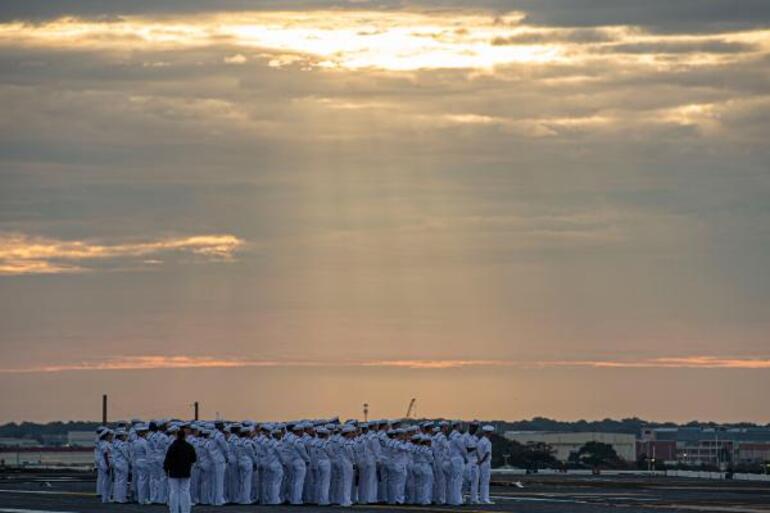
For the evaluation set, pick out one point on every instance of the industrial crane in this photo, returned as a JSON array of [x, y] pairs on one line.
[[412, 410]]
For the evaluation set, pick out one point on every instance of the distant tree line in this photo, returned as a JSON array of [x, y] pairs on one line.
[[632, 426], [44, 432]]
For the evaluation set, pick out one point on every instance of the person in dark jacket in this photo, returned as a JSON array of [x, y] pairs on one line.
[[177, 465]]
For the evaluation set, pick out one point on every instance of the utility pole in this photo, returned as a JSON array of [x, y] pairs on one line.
[[104, 409], [366, 412], [195, 405]]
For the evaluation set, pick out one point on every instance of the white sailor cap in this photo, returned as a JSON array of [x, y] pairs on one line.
[[173, 429], [488, 428], [349, 429], [322, 431]]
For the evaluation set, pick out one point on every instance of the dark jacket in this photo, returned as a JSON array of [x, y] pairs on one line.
[[179, 459]]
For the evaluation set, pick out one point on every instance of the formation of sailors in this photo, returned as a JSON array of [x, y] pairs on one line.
[[320, 462]]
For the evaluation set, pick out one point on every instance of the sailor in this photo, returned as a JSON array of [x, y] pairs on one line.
[[156, 442], [484, 450], [399, 458], [140, 464], [273, 469], [245, 458], [423, 468], [120, 464], [334, 450], [232, 475], [254, 445], [205, 465], [131, 469], [458, 457], [194, 438], [347, 461], [309, 440], [167, 437], [219, 452], [261, 443], [286, 448], [440, 448], [323, 465], [411, 433], [470, 436], [473, 471], [299, 463], [177, 465], [103, 464], [382, 461], [367, 466]]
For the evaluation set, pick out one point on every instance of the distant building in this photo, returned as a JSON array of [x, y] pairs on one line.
[[18, 442], [81, 438], [566, 444], [705, 445]]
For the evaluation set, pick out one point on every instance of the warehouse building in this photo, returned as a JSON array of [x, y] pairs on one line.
[[705, 445], [566, 444]]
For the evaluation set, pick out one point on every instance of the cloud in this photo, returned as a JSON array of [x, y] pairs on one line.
[[25, 254], [126, 363], [660, 15]]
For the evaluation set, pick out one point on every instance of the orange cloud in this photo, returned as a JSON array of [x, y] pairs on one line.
[[195, 362], [25, 254]]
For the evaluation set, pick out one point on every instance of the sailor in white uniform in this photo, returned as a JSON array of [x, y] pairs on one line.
[[140, 464], [399, 459], [157, 453], [299, 463], [458, 456], [244, 456], [103, 464], [219, 451], [204, 465], [473, 471], [323, 464], [120, 464], [484, 450], [232, 479], [273, 469], [347, 462]]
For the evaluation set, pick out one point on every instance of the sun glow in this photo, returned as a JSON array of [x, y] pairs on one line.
[[351, 40], [396, 41]]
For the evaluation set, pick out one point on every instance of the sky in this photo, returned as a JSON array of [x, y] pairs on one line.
[[503, 209]]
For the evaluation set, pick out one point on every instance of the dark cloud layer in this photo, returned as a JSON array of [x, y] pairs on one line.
[[656, 15]]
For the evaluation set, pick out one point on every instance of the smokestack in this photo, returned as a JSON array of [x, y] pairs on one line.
[[104, 409], [196, 410]]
